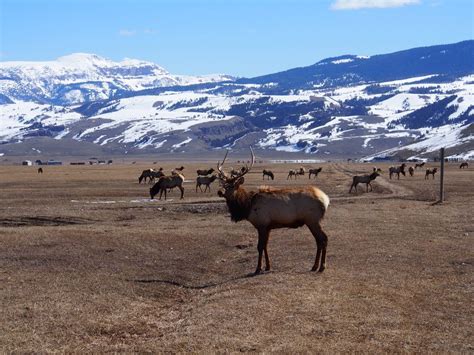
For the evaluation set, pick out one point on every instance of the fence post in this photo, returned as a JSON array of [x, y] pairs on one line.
[[441, 178]]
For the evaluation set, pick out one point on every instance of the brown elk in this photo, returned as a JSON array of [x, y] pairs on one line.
[[151, 175], [364, 179], [167, 182], [181, 168], [411, 171], [205, 180], [40, 170], [463, 165], [271, 208], [397, 170], [295, 173], [419, 165], [204, 172], [268, 174], [430, 172], [314, 172]]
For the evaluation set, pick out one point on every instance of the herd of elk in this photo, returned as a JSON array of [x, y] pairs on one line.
[[430, 172], [271, 208], [314, 172], [295, 173], [268, 174]]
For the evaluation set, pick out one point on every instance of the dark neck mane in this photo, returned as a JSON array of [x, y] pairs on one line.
[[240, 204]]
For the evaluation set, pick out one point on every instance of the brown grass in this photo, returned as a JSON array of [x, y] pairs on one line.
[[81, 273]]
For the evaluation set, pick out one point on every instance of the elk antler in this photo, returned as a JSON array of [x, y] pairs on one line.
[[247, 168], [222, 174]]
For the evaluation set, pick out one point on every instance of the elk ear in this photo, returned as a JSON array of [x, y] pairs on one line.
[[239, 182]]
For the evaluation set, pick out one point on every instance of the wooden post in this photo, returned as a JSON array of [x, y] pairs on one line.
[[441, 177]]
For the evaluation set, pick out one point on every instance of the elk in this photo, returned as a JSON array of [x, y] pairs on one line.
[[397, 170], [411, 171], [40, 170], [430, 172], [314, 172], [151, 175], [167, 182], [464, 165], [268, 174], [204, 172], [295, 173], [205, 180], [419, 165], [181, 168], [364, 179], [271, 208]]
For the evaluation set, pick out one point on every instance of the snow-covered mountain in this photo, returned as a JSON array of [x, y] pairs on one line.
[[82, 77], [407, 104]]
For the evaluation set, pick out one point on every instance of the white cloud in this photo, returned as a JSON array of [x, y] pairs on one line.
[[369, 4], [127, 33]]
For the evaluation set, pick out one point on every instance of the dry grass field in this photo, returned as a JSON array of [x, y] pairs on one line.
[[88, 263]]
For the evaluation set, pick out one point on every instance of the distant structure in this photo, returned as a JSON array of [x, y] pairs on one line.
[[27, 163]]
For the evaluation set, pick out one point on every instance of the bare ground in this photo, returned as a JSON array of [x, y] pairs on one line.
[[88, 263]]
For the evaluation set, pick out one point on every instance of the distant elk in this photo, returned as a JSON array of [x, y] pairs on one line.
[[314, 172], [151, 175], [430, 172], [411, 171], [268, 174], [464, 165], [397, 170], [295, 173], [271, 208], [419, 165], [205, 180], [204, 172], [181, 168], [40, 170], [167, 182], [364, 179]]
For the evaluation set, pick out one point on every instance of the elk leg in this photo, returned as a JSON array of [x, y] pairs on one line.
[[182, 192], [321, 244], [262, 236], [267, 258]]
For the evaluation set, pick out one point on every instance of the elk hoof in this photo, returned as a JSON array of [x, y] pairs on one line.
[[314, 268], [257, 272], [321, 269], [267, 268]]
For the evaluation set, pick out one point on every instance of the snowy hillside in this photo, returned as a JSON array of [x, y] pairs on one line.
[[138, 107], [85, 77]]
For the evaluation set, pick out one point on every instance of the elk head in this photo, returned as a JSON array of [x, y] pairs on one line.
[[231, 184]]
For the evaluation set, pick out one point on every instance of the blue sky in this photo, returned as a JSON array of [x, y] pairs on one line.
[[238, 37]]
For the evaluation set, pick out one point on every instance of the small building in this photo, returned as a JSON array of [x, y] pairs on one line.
[[38, 162], [27, 163], [54, 162]]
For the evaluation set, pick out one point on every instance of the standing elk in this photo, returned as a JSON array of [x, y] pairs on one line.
[[430, 172], [419, 165], [411, 171], [204, 172], [364, 179], [314, 172], [181, 168], [205, 180], [40, 170], [167, 182], [268, 174], [397, 170], [295, 173], [464, 165], [271, 208]]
